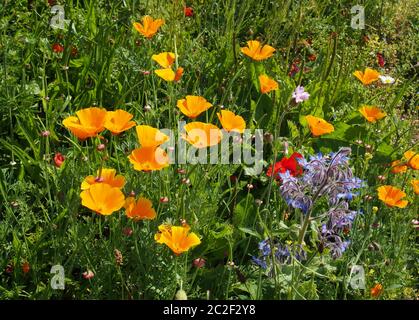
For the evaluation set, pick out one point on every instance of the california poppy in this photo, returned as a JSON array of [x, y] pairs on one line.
[[118, 121], [231, 122], [142, 209], [107, 176], [169, 75], [286, 164], [88, 123], [371, 113], [193, 106], [318, 126], [202, 135], [256, 51], [376, 290], [103, 198], [149, 159], [412, 159], [164, 59], [368, 76], [188, 11], [267, 84], [177, 238], [396, 167], [415, 185], [149, 27], [392, 196], [150, 137]]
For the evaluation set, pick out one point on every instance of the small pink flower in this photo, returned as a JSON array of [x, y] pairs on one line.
[[127, 231], [199, 263], [58, 159], [88, 274], [45, 133], [164, 199]]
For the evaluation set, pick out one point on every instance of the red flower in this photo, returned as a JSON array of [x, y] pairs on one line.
[[380, 60], [286, 164], [312, 57], [26, 267], [294, 69], [188, 11], [58, 159], [57, 48], [51, 2]]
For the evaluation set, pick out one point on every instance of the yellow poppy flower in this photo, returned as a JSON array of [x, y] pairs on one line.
[[231, 122], [412, 159], [397, 168], [149, 27], [367, 77], [103, 198], [202, 135], [150, 137], [267, 84], [256, 51], [392, 196], [118, 121], [139, 210], [107, 176], [88, 123], [164, 59], [178, 239], [193, 106], [371, 113], [318, 126], [149, 159]]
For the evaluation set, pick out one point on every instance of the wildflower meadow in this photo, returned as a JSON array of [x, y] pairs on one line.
[[204, 149]]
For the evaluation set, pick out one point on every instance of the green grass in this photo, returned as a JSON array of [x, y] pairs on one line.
[[42, 221]]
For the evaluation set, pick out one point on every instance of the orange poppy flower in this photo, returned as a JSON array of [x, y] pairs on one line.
[[371, 113], [193, 106], [376, 290], [88, 123], [412, 159], [102, 198], [318, 126], [392, 196], [231, 122], [415, 185], [368, 76], [202, 135], [149, 159], [178, 239], [139, 210], [149, 27], [150, 137], [169, 75], [397, 168], [165, 59], [118, 121], [267, 84], [256, 51], [107, 176]]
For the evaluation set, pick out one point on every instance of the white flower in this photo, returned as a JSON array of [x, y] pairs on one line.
[[386, 79]]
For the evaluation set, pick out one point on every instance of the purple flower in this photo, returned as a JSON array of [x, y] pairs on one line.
[[300, 95], [264, 247], [261, 263]]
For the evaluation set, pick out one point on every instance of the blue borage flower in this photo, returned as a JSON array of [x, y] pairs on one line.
[[325, 176], [282, 254]]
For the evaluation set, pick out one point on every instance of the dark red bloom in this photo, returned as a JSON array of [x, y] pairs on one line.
[[188, 11], [312, 57], [58, 159], [380, 60], [74, 51], [57, 48], [294, 70], [51, 2], [286, 164]]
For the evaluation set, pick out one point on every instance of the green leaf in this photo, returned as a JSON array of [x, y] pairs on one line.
[[251, 232]]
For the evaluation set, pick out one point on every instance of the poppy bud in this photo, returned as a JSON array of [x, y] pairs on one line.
[[164, 200], [199, 263], [88, 274], [58, 159], [26, 267]]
